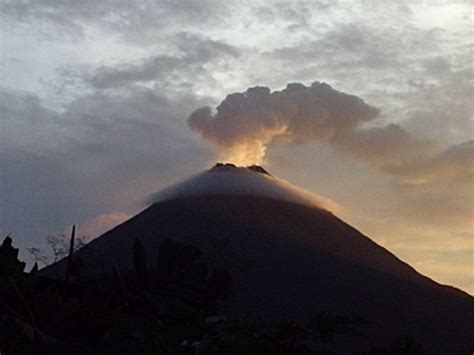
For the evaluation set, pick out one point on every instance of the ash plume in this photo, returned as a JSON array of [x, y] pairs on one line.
[[244, 124]]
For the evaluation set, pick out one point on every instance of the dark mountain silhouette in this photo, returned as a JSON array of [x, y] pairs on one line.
[[289, 259]]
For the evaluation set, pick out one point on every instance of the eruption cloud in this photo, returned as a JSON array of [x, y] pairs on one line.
[[245, 124]]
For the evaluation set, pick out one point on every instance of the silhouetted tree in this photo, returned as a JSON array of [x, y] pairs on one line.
[[9, 263]]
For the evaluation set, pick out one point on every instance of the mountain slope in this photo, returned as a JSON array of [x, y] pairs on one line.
[[292, 260]]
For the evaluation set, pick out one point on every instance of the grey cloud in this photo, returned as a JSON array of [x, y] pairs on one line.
[[384, 147], [25, 121], [40, 196], [432, 187], [116, 129], [135, 21], [405, 69], [453, 165], [385, 56], [192, 54], [140, 128], [441, 106], [415, 163], [139, 131], [356, 45]]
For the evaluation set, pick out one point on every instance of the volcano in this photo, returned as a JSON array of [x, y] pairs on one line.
[[289, 257]]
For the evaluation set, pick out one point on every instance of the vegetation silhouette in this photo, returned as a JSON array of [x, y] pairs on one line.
[[171, 308]]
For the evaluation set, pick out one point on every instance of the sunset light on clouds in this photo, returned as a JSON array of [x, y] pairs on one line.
[[368, 104]]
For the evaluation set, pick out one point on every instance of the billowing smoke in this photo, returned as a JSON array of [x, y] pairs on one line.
[[244, 124]]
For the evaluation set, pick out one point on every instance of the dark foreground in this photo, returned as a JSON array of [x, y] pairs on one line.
[[173, 307]]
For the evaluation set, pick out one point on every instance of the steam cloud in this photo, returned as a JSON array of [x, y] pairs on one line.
[[244, 124]]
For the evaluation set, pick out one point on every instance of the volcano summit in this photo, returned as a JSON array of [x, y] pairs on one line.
[[230, 180], [288, 258]]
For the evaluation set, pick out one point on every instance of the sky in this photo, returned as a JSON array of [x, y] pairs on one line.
[[367, 103]]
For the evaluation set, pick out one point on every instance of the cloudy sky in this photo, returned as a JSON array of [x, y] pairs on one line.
[[96, 99]]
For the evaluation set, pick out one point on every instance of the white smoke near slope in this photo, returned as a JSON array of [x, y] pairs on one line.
[[238, 181]]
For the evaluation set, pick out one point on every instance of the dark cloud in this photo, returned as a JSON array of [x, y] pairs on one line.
[[40, 196], [25, 120]]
